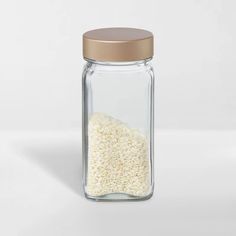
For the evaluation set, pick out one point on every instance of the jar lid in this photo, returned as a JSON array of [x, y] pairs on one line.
[[117, 44]]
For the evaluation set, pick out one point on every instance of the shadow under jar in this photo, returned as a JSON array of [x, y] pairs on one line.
[[118, 116]]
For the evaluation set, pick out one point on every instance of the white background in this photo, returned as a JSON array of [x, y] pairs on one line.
[[41, 59], [40, 118]]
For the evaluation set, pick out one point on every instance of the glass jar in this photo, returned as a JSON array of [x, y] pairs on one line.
[[118, 114]]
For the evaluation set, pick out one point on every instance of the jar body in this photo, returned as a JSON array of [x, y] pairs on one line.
[[118, 127]]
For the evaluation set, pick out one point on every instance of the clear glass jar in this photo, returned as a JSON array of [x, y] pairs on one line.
[[118, 125]]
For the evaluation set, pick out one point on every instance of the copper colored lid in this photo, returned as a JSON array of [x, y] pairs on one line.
[[117, 44]]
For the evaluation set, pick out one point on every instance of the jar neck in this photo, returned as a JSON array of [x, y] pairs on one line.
[[120, 63]]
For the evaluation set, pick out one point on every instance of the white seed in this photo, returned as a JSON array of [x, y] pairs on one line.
[[118, 159]]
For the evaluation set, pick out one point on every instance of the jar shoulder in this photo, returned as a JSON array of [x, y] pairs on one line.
[[93, 69]]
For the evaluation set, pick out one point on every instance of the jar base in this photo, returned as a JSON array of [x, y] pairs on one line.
[[118, 197]]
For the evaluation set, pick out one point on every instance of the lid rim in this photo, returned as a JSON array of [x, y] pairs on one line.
[[93, 60]]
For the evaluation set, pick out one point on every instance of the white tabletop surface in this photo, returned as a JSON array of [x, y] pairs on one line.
[[41, 193]]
